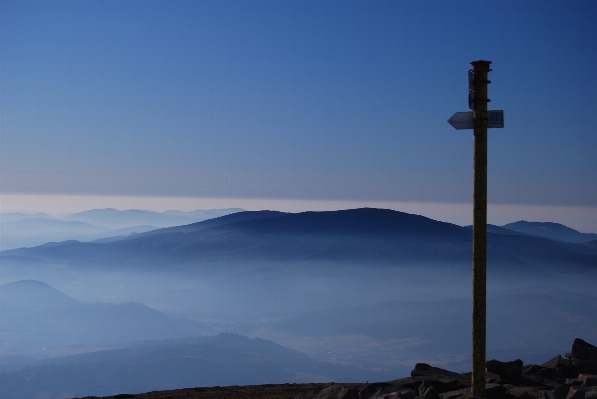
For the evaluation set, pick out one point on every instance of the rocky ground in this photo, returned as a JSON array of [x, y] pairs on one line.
[[571, 377]]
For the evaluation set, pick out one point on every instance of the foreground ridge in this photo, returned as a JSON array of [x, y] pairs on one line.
[[572, 377]]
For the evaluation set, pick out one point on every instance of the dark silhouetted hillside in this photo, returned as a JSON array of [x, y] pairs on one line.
[[225, 359], [555, 231], [375, 236], [36, 316]]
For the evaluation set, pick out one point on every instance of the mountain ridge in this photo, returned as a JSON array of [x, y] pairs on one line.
[[36, 315], [356, 235], [19, 230], [551, 230], [223, 359]]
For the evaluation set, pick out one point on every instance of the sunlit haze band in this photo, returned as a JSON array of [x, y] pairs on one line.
[[583, 219]]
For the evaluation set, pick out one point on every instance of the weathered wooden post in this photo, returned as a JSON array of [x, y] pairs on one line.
[[479, 120], [480, 116]]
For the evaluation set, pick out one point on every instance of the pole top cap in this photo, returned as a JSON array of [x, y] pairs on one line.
[[480, 66]]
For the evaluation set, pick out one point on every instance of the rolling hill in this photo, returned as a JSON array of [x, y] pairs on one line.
[[375, 236], [225, 359], [104, 225], [554, 231], [36, 316]]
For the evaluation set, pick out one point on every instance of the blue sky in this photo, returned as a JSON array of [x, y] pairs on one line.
[[293, 100]]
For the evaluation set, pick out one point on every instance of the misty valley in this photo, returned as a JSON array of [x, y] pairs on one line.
[[133, 301]]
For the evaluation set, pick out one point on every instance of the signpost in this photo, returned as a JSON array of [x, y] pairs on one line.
[[479, 120], [465, 120]]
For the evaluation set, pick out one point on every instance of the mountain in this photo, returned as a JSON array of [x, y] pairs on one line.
[[374, 236], [27, 230], [225, 359], [528, 323], [555, 231], [116, 219], [35, 316], [204, 214], [124, 233], [33, 231], [492, 228], [14, 216], [217, 221]]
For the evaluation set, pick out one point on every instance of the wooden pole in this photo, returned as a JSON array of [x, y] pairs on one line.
[[480, 69]]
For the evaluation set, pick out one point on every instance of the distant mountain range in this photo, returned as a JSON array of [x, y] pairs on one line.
[[145, 357], [26, 230], [375, 236], [35, 316], [526, 323], [550, 230], [222, 360], [554, 231], [444, 326], [363, 287], [114, 218]]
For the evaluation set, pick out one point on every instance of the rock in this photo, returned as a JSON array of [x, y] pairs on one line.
[[376, 390], [505, 369], [446, 385], [530, 380], [577, 393], [525, 392], [332, 391], [440, 386], [532, 368], [578, 367], [583, 350], [489, 393], [430, 393], [536, 380], [496, 391], [495, 388], [573, 382], [393, 395], [488, 376], [588, 379], [408, 382], [558, 378], [349, 393], [425, 370], [561, 392], [546, 395], [492, 391], [406, 395], [557, 361], [424, 386], [441, 383], [552, 374], [558, 393], [491, 376], [454, 394]]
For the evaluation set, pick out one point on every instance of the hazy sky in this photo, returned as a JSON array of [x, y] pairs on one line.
[[336, 101]]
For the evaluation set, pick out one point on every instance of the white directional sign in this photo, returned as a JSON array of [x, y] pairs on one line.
[[464, 120]]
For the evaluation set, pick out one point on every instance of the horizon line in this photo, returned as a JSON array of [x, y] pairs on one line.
[[581, 218]]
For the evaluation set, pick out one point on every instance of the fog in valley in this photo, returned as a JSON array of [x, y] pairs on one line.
[[219, 193], [364, 291]]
